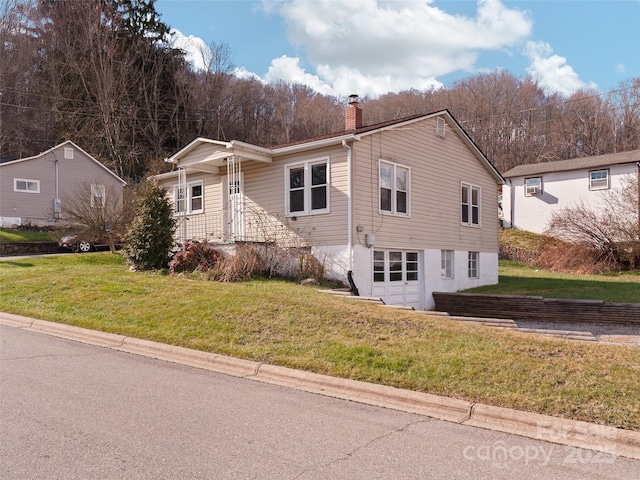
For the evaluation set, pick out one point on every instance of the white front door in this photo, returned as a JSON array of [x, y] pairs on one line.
[[396, 277]]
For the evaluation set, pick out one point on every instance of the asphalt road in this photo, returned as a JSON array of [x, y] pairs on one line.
[[76, 411]]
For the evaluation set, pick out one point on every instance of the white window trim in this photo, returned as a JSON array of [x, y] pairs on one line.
[[469, 222], [306, 165], [188, 198], [606, 187], [476, 274], [532, 193], [394, 198], [16, 189]]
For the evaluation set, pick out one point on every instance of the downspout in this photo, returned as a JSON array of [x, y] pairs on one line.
[[349, 206], [57, 212], [512, 203]]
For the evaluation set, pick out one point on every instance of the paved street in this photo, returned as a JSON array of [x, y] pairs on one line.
[[75, 411]]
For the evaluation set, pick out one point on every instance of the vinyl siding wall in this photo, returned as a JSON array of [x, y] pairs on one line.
[[264, 202], [37, 208], [438, 166]]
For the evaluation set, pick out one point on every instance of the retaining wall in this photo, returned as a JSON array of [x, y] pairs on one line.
[[27, 248], [537, 309]]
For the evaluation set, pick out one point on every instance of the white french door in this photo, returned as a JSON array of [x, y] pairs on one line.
[[396, 277]]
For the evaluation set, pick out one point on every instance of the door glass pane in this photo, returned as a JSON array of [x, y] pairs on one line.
[[378, 266], [395, 266], [412, 266]]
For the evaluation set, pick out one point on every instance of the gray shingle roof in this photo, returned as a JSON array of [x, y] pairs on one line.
[[574, 164]]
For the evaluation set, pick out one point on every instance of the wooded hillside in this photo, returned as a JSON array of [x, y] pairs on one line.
[[100, 73]]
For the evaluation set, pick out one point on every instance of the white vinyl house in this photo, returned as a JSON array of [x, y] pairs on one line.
[[534, 192], [404, 208]]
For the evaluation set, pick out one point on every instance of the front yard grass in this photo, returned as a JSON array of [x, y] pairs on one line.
[[279, 322], [519, 279]]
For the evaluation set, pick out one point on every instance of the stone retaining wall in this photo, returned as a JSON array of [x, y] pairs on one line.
[[537, 309], [27, 248]]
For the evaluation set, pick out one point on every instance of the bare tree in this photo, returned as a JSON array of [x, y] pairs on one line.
[[612, 230], [97, 211]]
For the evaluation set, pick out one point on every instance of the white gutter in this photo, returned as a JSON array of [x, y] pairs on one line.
[[349, 205]]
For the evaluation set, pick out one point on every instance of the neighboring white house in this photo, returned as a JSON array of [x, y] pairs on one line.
[[32, 189], [407, 207], [534, 192]]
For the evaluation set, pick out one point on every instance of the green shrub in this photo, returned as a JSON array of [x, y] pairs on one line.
[[149, 241]]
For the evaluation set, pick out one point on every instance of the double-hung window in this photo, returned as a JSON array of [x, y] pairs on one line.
[[189, 198], [394, 182], [473, 265], [532, 186], [470, 203], [598, 179], [307, 187], [27, 186], [446, 263], [97, 196]]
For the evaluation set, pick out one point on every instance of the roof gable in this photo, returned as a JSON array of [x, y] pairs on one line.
[[58, 147]]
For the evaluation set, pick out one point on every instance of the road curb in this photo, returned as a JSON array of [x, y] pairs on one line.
[[443, 408], [609, 440], [236, 367]]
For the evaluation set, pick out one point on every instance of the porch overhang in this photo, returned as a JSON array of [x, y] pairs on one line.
[[210, 155]]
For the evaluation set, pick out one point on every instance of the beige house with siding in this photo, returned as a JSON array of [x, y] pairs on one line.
[[404, 208], [32, 190]]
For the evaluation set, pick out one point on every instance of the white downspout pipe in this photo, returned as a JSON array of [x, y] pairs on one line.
[[349, 205]]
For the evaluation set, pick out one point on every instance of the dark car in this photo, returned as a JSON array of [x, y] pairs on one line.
[[76, 243]]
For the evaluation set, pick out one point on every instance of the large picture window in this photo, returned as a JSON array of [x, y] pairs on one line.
[[189, 198], [470, 203], [394, 181], [307, 187]]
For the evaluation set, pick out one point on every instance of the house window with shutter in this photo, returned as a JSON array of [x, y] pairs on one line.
[[532, 187]]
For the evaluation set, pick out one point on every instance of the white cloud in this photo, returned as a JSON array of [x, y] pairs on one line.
[[376, 46], [197, 52], [552, 70], [620, 68]]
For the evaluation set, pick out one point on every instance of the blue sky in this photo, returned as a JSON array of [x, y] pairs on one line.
[[371, 47]]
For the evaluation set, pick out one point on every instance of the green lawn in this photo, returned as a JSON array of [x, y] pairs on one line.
[[519, 279], [283, 323], [8, 235]]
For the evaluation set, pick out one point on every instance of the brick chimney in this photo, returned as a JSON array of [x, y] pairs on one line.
[[353, 114]]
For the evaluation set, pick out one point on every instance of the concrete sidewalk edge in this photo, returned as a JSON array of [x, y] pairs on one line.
[[609, 440]]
